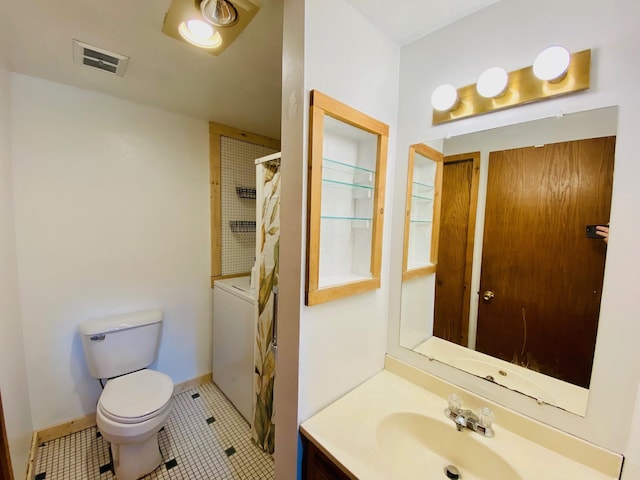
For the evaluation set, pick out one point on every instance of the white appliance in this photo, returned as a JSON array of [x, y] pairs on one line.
[[233, 338]]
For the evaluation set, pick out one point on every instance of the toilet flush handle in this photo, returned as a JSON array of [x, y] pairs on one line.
[[96, 338]]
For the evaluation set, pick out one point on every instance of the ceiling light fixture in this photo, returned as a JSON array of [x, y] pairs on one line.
[[220, 13], [228, 18], [552, 64], [199, 33], [445, 98], [493, 82]]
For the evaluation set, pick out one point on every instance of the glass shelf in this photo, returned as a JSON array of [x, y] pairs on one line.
[[425, 223], [328, 164], [426, 186], [345, 184], [359, 222], [420, 198], [329, 217], [422, 191]]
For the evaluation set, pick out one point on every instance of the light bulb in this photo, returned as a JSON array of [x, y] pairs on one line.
[[199, 29], [199, 33], [552, 64], [445, 98], [493, 82], [219, 12]]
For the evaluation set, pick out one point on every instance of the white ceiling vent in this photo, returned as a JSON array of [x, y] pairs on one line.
[[110, 62]]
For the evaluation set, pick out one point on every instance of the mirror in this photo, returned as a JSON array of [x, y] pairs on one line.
[[515, 295]]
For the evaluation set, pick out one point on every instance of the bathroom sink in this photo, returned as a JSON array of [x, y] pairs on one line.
[[419, 446]]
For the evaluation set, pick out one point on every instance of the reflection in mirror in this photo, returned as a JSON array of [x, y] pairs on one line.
[[422, 211], [516, 294]]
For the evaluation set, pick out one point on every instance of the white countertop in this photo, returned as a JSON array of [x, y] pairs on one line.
[[348, 430]]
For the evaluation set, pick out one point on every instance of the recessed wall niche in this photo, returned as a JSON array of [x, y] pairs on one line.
[[233, 182], [347, 168]]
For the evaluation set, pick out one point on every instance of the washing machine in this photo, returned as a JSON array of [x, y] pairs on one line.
[[233, 338]]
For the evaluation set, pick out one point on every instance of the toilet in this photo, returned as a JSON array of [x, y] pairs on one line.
[[135, 401]]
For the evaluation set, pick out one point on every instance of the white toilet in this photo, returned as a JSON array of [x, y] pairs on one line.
[[135, 401]]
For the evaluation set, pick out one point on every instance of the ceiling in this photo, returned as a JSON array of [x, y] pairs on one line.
[[407, 20], [240, 88]]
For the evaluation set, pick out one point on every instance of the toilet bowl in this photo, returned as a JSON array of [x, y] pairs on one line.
[[135, 401], [131, 411]]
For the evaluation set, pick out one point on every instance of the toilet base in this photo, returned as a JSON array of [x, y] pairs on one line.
[[134, 460]]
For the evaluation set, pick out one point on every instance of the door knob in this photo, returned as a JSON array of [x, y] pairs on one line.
[[488, 295]]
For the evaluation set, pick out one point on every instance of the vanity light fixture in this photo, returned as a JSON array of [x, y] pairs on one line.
[[552, 64], [555, 72], [493, 82], [445, 98], [200, 34]]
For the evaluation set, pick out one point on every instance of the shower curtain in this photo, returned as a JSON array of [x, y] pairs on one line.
[[267, 252]]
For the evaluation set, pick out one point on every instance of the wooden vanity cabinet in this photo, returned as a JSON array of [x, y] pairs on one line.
[[316, 465]]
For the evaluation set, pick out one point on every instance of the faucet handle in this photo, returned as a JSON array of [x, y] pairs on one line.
[[455, 403], [485, 420], [486, 417]]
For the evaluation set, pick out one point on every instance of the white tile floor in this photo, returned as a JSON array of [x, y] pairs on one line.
[[205, 438]]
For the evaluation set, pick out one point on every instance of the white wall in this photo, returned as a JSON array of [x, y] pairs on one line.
[[112, 215], [287, 454], [13, 371], [512, 34], [342, 343]]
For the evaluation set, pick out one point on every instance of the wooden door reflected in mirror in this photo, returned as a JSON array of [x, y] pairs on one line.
[[545, 274], [455, 256]]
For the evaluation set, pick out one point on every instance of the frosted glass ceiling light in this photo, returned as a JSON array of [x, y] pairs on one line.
[[200, 34], [552, 64], [219, 12], [493, 82], [445, 98]]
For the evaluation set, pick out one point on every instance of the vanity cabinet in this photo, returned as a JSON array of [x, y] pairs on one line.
[[316, 465], [347, 171]]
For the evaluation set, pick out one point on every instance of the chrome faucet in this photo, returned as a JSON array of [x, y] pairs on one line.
[[466, 419]]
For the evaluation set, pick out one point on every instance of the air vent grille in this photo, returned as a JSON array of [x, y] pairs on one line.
[[91, 56]]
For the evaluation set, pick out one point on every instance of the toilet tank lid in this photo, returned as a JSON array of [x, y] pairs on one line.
[[121, 321]]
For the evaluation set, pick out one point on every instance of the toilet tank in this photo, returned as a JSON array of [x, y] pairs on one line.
[[120, 344]]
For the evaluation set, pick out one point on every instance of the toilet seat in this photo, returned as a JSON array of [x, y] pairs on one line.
[[136, 397]]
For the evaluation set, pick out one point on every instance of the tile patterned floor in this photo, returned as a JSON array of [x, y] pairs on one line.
[[205, 438]]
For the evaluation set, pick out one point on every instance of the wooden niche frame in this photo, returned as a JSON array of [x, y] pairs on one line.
[[318, 290], [435, 156], [216, 132]]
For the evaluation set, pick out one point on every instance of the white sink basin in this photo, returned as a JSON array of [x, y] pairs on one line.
[[389, 428], [422, 447]]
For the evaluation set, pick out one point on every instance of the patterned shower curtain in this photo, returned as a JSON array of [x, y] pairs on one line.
[[268, 243]]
